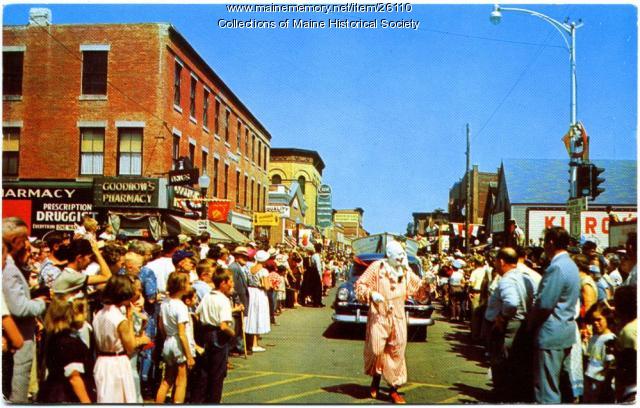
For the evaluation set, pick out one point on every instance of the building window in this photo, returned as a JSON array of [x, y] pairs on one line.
[[12, 72], [91, 151], [192, 98], [253, 146], [205, 156], [192, 153], [227, 115], [251, 195], [246, 187], [216, 163], [216, 116], [238, 134], [176, 84], [237, 187], [264, 196], [276, 179], [264, 157], [246, 142], [259, 196], [259, 154], [176, 147], [301, 181], [130, 151], [94, 72], [205, 109], [226, 181], [10, 151]]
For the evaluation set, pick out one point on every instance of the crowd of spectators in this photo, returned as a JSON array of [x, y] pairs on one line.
[[557, 322], [90, 316]]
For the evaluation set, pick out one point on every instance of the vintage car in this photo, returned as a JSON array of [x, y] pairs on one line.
[[346, 307]]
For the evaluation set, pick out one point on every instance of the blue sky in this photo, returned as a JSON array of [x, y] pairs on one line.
[[387, 109]]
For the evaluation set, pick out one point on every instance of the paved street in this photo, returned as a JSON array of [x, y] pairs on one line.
[[309, 360]]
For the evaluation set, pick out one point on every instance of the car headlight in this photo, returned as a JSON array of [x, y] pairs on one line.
[[343, 294]]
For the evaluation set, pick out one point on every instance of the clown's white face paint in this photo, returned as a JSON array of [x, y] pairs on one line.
[[396, 255]]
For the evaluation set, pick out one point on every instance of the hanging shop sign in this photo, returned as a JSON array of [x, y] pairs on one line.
[[184, 177], [265, 219], [219, 210], [45, 208], [283, 210], [125, 192]]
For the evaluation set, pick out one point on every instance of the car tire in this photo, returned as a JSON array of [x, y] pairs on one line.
[[418, 333]]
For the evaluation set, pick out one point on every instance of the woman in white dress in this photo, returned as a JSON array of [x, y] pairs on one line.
[[258, 320], [114, 341]]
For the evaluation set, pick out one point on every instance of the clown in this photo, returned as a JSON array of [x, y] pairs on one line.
[[385, 286]]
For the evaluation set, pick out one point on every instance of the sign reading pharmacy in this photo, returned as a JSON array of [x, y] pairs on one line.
[[45, 208], [125, 192]]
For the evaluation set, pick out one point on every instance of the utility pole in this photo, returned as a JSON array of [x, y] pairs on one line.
[[468, 195]]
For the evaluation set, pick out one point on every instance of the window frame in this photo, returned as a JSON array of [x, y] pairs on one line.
[[121, 130], [8, 75], [193, 93], [177, 84], [82, 129], [12, 154], [89, 78]]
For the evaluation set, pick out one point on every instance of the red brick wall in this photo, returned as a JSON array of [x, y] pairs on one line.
[[141, 64]]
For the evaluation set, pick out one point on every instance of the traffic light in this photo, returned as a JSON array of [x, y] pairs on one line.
[[583, 180], [596, 181]]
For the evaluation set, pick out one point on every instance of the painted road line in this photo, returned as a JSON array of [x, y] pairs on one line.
[[247, 378], [295, 396], [449, 400], [338, 377], [273, 384]]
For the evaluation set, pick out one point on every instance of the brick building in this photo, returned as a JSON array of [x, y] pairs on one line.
[[123, 102], [351, 221], [288, 165], [481, 182]]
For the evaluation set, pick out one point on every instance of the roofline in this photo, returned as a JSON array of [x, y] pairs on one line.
[[280, 151], [224, 86], [189, 48]]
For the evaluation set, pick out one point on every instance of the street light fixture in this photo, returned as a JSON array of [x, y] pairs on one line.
[[565, 29], [203, 182]]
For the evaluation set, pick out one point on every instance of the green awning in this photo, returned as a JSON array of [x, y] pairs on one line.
[[233, 233]]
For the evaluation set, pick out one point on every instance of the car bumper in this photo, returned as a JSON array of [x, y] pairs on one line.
[[359, 316]]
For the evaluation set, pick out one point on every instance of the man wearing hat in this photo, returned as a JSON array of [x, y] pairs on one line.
[[185, 262], [239, 270], [456, 289]]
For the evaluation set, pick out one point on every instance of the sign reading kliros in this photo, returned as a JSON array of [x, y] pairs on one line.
[[125, 192]]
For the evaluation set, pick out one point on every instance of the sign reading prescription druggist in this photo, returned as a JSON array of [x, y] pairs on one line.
[[45, 207], [125, 192]]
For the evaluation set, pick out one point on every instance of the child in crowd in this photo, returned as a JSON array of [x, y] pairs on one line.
[[69, 361], [115, 339], [281, 289], [598, 371], [177, 352]]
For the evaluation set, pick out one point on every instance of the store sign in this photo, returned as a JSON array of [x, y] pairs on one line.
[[45, 209], [125, 192], [265, 219], [324, 210], [594, 225], [283, 210], [185, 177], [186, 199], [341, 218]]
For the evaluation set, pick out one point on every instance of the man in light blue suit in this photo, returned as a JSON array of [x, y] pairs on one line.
[[553, 317]]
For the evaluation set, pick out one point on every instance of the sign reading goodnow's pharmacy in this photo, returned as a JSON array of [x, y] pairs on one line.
[[125, 192]]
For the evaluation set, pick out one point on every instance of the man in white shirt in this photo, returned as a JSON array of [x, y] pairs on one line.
[[163, 266], [533, 276], [475, 287], [613, 263], [215, 313]]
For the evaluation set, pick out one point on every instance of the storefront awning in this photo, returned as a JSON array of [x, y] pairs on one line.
[[229, 230], [219, 231], [188, 226]]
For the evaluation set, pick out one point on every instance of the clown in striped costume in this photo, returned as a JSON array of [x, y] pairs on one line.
[[385, 286]]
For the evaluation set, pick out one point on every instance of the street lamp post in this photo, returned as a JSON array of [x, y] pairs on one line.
[[565, 29], [203, 182]]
